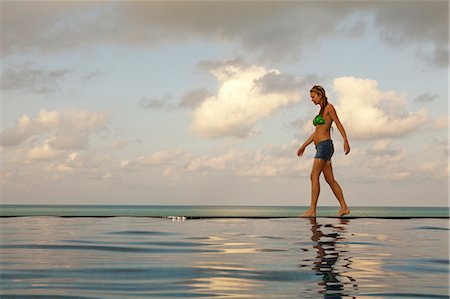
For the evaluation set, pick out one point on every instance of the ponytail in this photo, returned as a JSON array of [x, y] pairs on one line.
[[321, 92]]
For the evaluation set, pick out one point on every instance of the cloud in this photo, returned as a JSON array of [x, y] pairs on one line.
[[276, 30], [193, 98], [23, 130], [275, 82], [369, 113], [67, 129], [160, 158], [158, 103], [210, 163], [441, 122], [30, 78], [118, 144], [271, 161], [387, 160], [71, 163], [416, 22], [383, 151], [44, 152], [163, 158], [378, 161], [425, 98], [87, 77], [242, 99]]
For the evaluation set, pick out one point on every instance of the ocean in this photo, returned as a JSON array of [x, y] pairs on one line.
[[222, 252], [215, 211]]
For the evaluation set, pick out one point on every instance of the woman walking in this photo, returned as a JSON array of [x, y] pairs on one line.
[[325, 149]]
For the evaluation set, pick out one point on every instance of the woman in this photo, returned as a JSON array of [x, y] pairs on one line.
[[325, 149]]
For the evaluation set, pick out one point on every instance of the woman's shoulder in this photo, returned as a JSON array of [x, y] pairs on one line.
[[329, 108]]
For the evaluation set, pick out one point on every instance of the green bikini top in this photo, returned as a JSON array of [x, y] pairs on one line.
[[318, 120]]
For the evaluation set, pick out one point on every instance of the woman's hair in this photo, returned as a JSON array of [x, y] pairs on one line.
[[321, 92]]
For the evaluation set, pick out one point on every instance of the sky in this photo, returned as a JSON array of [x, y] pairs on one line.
[[206, 103]]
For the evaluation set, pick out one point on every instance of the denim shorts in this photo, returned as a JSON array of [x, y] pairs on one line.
[[325, 150]]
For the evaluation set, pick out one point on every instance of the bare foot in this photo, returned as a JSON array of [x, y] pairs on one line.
[[309, 213], [343, 211]]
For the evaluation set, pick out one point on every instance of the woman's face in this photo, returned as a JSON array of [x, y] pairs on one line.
[[315, 98]]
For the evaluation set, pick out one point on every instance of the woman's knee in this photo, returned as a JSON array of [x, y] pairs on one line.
[[330, 180], [314, 176]]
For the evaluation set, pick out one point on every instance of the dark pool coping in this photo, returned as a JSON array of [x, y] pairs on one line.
[[230, 217]]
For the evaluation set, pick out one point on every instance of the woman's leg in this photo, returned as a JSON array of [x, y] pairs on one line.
[[329, 177], [318, 167]]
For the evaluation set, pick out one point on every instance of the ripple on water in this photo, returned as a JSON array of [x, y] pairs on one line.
[[160, 273], [33, 296], [275, 258], [106, 248], [403, 295], [142, 232], [420, 266], [432, 228], [174, 243]]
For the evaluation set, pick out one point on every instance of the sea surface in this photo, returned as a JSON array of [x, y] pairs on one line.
[[215, 211], [252, 255]]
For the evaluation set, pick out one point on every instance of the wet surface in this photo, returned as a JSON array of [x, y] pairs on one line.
[[131, 257]]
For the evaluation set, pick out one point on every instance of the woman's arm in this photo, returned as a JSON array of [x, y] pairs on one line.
[[302, 148], [340, 127]]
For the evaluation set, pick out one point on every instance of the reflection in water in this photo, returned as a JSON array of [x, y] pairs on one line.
[[224, 280], [332, 262]]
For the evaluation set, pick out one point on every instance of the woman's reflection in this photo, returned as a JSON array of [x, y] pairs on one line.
[[335, 279]]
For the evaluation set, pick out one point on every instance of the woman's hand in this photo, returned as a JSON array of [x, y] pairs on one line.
[[300, 151], [346, 147]]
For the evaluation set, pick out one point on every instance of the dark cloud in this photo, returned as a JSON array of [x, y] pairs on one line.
[[412, 21], [157, 103], [92, 75], [416, 22], [191, 99], [274, 82], [275, 30], [30, 78], [194, 98], [425, 98]]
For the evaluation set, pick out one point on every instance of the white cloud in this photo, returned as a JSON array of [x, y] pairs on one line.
[[379, 161], [400, 176], [381, 145], [369, 113], [69, 128], [71, 163], [240, 101], [382, 152], [44, 152], [441, 122], [160, 158], [430, 167], [207, 163], [258, 171], [274, 160], [23, 130], [48, 118]]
